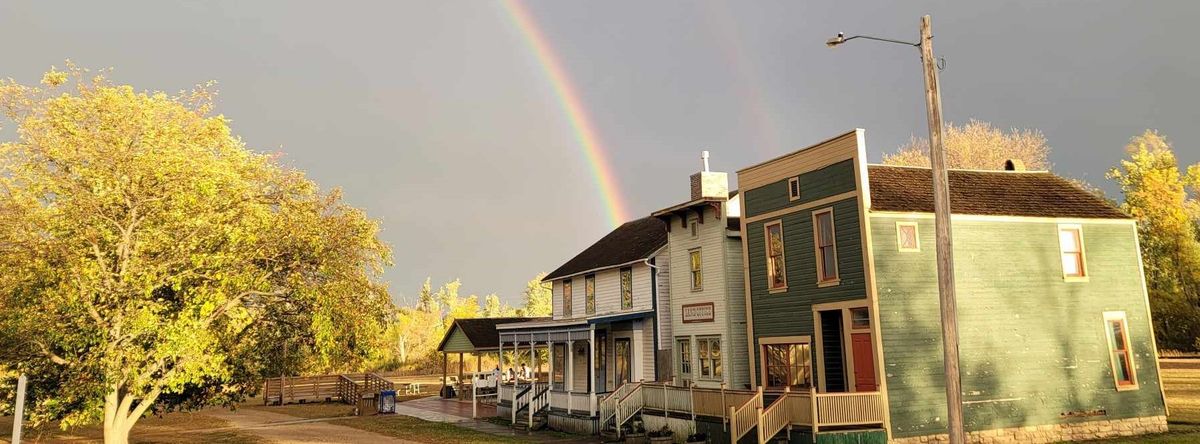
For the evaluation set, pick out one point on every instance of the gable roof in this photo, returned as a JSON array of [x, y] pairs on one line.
[[631, 242], [480, 331], [993, 193]]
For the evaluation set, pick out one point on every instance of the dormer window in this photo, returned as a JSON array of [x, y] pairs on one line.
[[794, 188]]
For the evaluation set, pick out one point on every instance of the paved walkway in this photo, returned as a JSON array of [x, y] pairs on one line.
[[287, 429]]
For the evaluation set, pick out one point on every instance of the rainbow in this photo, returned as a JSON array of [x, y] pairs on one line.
[[568, 97]]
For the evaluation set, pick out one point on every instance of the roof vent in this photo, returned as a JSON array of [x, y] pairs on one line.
[[1014, 165]]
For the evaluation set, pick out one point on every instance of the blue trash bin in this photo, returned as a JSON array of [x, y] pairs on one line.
[[387, 401]]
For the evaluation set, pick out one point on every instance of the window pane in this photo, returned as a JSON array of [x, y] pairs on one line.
[[828, 266], [908, 237], [626, 288], [1068, 241], [860, 318], [825, 227], [1118, 334], [1070, 263]]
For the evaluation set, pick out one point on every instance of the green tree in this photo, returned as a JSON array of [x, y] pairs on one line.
[[538, 297], [1156, 194], [979, 146], [147, 258]]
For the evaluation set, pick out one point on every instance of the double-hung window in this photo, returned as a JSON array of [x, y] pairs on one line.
[[697, 269], [627, 288], [1121, 356], [776, 272], [826, 248], [907, 239], [566, 298], [1070, 244], [685, 356], [787, 365], [710, 357], [794, 188], [589, 293]]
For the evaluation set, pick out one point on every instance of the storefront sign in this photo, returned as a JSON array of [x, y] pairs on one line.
[[703, 312]]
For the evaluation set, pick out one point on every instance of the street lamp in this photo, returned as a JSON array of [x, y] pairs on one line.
[[941, 223]]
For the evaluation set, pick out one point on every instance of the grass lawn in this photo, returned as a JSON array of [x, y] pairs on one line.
[[407, 427], [1181, 381], [183, 427]]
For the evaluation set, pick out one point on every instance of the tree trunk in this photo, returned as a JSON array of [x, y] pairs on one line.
[[120, 415]]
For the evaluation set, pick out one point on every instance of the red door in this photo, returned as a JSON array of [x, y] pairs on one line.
[[864, 363]]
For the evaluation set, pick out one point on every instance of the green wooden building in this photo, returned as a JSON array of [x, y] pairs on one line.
[[841, 297]]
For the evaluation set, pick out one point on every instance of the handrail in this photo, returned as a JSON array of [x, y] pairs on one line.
[[774, 418], [608, 404], [348, 390], [744, 417], [630, 404], [518, 399], [539, 400]]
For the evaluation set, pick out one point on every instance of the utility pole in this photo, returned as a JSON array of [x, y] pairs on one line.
[[19, 410], [944, 241]]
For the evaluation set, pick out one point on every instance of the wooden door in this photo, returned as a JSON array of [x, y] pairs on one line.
[[864, 363]]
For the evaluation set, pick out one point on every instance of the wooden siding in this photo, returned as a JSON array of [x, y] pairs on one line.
[[458, 342], [608, 292], [825, 153], [1033, 347], [789, 313], [722, 274], [818, 184], [664, 311], [737, 370]]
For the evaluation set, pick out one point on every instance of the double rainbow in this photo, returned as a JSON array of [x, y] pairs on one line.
[[569, 100]]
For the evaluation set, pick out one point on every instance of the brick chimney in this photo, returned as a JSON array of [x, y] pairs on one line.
[[708, 184]]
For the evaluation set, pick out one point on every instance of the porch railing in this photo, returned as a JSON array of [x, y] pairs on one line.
[[629, 405], [842, 409], [608, 404], [775, 417], [745, 417]]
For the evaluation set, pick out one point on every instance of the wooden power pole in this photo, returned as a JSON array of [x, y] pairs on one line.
[[945, 244]]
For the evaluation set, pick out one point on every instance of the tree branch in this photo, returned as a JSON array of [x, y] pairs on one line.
[[51, 355]]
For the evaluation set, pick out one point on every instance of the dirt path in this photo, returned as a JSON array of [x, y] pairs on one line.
[[286, 429]]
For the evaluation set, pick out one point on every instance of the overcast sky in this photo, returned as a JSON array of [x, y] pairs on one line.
[[437, 119]]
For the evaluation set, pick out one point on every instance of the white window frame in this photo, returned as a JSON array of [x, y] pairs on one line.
[[693, 272], [837, 277], [712, 363], [1119, 316], [900, 237], [782, 256], [691, 364], [621, 284], [694, 226], [794, 184], [1078, 229]]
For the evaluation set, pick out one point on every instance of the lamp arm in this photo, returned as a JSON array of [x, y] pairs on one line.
[[880, 39]]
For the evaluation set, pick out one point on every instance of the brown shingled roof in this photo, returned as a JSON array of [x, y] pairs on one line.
[[994, 193], [630, 242], [481, 331]]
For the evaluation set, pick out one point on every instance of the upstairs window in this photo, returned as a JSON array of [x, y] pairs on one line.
[[627, 288], [776, 273], [693, 224], [1118, 346], [685, 356], [1070, 243], [824, 238], [589, 293], [566, 298], [794, 188], [697, 272], [906, 237], [710, 357]]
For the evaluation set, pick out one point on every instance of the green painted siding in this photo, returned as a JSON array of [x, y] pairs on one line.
[[814, 185], [1032, 346], [790, 313], [458, 342]]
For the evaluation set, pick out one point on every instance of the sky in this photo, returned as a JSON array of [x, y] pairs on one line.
[[479, 157]]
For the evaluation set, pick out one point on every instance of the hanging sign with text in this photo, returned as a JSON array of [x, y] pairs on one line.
[[703, 312]]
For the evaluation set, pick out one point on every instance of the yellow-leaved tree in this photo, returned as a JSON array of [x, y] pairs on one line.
[[148, 259], [978, 146]]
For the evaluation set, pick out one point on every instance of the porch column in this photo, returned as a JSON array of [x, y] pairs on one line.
[[444, 365], [569, 377], [460, 368], [591, 368], [550, 353], [500, 360]]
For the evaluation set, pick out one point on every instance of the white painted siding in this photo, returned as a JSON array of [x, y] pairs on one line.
[[737, 359], [722, 286], [608, 292], [663, 262]]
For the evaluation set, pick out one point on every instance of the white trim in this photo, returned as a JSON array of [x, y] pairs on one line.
[[804, 206], [793, 180], [1083, 269], [607, 267], [1150, 322], [837, 272], [1110, 316], [998, 218], [692, 271], [776, 340], [767, 250]]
